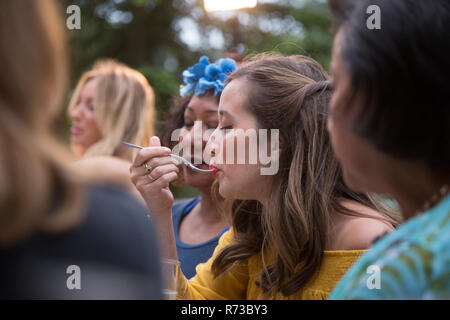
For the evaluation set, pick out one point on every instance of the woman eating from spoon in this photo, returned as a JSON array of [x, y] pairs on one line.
[[198, 222], [294, 233]]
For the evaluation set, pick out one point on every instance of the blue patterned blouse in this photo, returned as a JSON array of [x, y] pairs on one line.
[[412, 262]]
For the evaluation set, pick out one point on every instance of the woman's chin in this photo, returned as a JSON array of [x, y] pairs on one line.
[[232, 192], [78, 141], [197, 179], [226, 193], [74, 139]]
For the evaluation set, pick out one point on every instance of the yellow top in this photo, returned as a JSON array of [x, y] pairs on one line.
[[239, 283]]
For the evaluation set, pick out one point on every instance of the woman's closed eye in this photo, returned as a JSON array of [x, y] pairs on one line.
[[189, 125], [212, 125], [88, 103], [226, 127]]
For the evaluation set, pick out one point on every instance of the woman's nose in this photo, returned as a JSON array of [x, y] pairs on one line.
[[75, 113]]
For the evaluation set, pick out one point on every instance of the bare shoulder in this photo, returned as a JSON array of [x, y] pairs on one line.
[[104, 168], [358, 233], [109, 161], [108, 170]]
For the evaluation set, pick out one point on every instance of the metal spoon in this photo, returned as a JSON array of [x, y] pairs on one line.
[[173, 156]]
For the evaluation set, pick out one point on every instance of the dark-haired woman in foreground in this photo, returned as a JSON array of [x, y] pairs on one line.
[[390, 128]]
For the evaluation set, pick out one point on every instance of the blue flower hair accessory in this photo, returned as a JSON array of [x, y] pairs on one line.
[[205, 76]]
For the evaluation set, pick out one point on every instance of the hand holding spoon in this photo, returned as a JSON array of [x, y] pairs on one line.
[[173, 156]]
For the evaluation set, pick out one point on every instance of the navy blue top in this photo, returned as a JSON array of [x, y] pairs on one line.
[[190, 255], [114, 248]]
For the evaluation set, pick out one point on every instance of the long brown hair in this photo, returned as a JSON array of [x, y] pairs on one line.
[[36, 192], [291, 94]]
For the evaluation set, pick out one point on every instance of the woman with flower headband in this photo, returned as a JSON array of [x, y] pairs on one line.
[[198, 222], [294, 233]]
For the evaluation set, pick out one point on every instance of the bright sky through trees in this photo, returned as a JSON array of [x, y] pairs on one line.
[[221, 5]]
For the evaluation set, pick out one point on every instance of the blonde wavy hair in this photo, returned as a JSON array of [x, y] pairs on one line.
[[124, 109], [37, 192]]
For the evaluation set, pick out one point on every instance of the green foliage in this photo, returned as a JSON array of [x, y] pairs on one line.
[[145, 34]]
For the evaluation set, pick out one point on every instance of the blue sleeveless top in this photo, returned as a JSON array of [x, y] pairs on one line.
[[190, 255]]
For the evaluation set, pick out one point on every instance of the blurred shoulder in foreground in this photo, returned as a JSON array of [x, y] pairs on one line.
[[107, 170]]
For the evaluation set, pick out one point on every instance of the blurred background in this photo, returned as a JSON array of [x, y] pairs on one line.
[[161, 38]]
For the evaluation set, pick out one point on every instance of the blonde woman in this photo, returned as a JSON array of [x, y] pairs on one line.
[[111, 103], [52, 225]]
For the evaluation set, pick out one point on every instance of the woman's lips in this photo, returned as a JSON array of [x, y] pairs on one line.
[[76, 130], [215, 172]]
